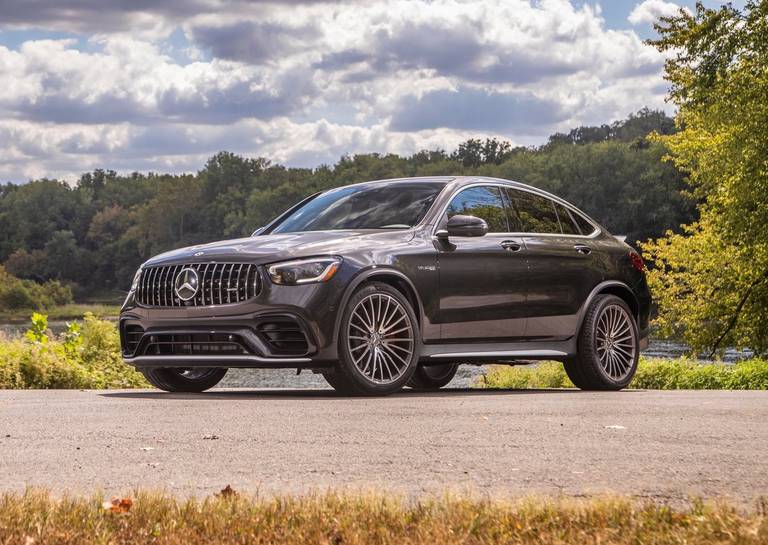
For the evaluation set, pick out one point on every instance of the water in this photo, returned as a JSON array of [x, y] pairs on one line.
[[286, 378]]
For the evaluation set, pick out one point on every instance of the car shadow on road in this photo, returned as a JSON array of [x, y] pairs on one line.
[[314, 393]]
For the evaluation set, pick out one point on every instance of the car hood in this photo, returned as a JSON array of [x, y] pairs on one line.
[[271, 248]]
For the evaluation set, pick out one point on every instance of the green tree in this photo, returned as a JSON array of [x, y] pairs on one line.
[[711, 281]]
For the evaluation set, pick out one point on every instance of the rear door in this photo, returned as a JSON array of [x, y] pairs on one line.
[[482, 279], [562, 266]]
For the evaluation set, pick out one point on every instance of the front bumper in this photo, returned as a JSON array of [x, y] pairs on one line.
[[262, 332]]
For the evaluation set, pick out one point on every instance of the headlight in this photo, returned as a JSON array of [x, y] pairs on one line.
[[135, 283], [305, 271]]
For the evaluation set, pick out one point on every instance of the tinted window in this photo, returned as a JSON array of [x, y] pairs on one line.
[[377, 206], [566, 223], [585, 227], [536, 213], [481, 202]]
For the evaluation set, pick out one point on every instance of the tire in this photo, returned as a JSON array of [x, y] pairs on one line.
[[433, 377], [184, 380], [378, 343], [608, 346]]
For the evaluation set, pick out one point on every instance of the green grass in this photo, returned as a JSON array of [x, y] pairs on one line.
[[64, 312], [35, 517], [652, 374]]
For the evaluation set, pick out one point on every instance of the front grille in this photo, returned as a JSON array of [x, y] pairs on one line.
[[284, 336], [218, 284], [194, 344], [131, 337]]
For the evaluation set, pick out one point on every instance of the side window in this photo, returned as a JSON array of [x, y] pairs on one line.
[[481, 202], [585, 227], [567, 224], [537, 214]]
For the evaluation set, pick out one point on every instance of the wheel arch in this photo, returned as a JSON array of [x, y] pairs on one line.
[[611, 287], [392, 277]]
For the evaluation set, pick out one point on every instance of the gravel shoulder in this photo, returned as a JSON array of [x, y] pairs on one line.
[[669, 446]]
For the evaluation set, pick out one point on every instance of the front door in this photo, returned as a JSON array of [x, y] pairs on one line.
[[482, 288]]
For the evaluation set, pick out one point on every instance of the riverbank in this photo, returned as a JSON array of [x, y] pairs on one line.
[[73, 311], [86, 354]]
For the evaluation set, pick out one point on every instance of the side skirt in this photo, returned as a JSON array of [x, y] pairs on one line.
[[499, 352]]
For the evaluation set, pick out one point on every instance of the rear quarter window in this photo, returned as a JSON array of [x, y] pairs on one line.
[[584, 225], [567, 223]]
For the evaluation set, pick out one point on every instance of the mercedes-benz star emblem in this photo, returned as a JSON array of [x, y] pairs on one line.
[[186, 284]]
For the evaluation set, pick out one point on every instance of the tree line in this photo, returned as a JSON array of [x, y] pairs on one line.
[[95, 233]]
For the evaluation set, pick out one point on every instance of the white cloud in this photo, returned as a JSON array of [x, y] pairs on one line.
[[307, 82], [649, 11]]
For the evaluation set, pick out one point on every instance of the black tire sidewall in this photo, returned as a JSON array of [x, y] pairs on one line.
[[422, 380], [351, 376], [171, 380]]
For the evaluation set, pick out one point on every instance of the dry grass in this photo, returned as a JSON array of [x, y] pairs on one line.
[[35, 517]]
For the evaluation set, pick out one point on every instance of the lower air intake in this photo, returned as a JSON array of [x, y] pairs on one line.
[[284, 336]]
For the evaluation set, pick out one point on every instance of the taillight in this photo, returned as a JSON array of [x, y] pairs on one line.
[[637, 261]]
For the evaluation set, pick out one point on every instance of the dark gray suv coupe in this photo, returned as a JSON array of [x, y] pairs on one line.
[[391, 283]]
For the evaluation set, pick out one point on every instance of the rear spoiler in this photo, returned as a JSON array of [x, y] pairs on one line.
[[620, 238]]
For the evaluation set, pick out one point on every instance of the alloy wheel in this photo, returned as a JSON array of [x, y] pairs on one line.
[[615, 342], [380, 338]]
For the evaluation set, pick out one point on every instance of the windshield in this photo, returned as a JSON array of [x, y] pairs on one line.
[[398, 205]]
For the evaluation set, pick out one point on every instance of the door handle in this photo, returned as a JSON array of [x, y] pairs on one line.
[[511, 245], [584, 250]]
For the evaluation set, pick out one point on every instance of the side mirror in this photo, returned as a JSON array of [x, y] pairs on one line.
[[464, 226], [257, 231]]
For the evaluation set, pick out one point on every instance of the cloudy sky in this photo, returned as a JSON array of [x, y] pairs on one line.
[[163, 84]]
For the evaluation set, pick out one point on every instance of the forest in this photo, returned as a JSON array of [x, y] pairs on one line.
[[92, 235]]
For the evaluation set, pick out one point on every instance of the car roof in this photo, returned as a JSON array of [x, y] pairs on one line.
[[457, 181]]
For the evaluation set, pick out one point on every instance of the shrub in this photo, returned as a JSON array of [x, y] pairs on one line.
[[685, 374], [86, 356], [16, 293], [652, 374], [544, 375]]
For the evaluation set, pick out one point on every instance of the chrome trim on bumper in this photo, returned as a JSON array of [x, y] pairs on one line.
[[219, 361]]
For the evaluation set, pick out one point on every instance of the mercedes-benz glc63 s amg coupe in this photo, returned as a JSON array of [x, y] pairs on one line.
[[394, 283]]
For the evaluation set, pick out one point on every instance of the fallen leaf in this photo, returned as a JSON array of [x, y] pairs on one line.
[[226, 492], [118, 505]]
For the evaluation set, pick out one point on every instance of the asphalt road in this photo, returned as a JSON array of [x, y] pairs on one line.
[[660, 445]]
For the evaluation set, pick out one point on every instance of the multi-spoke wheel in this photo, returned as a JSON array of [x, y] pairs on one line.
[[608, 346], [615, 342], [193, 379], [378, 342]]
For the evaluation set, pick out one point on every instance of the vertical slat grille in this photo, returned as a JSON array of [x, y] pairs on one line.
[[218, 284]]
